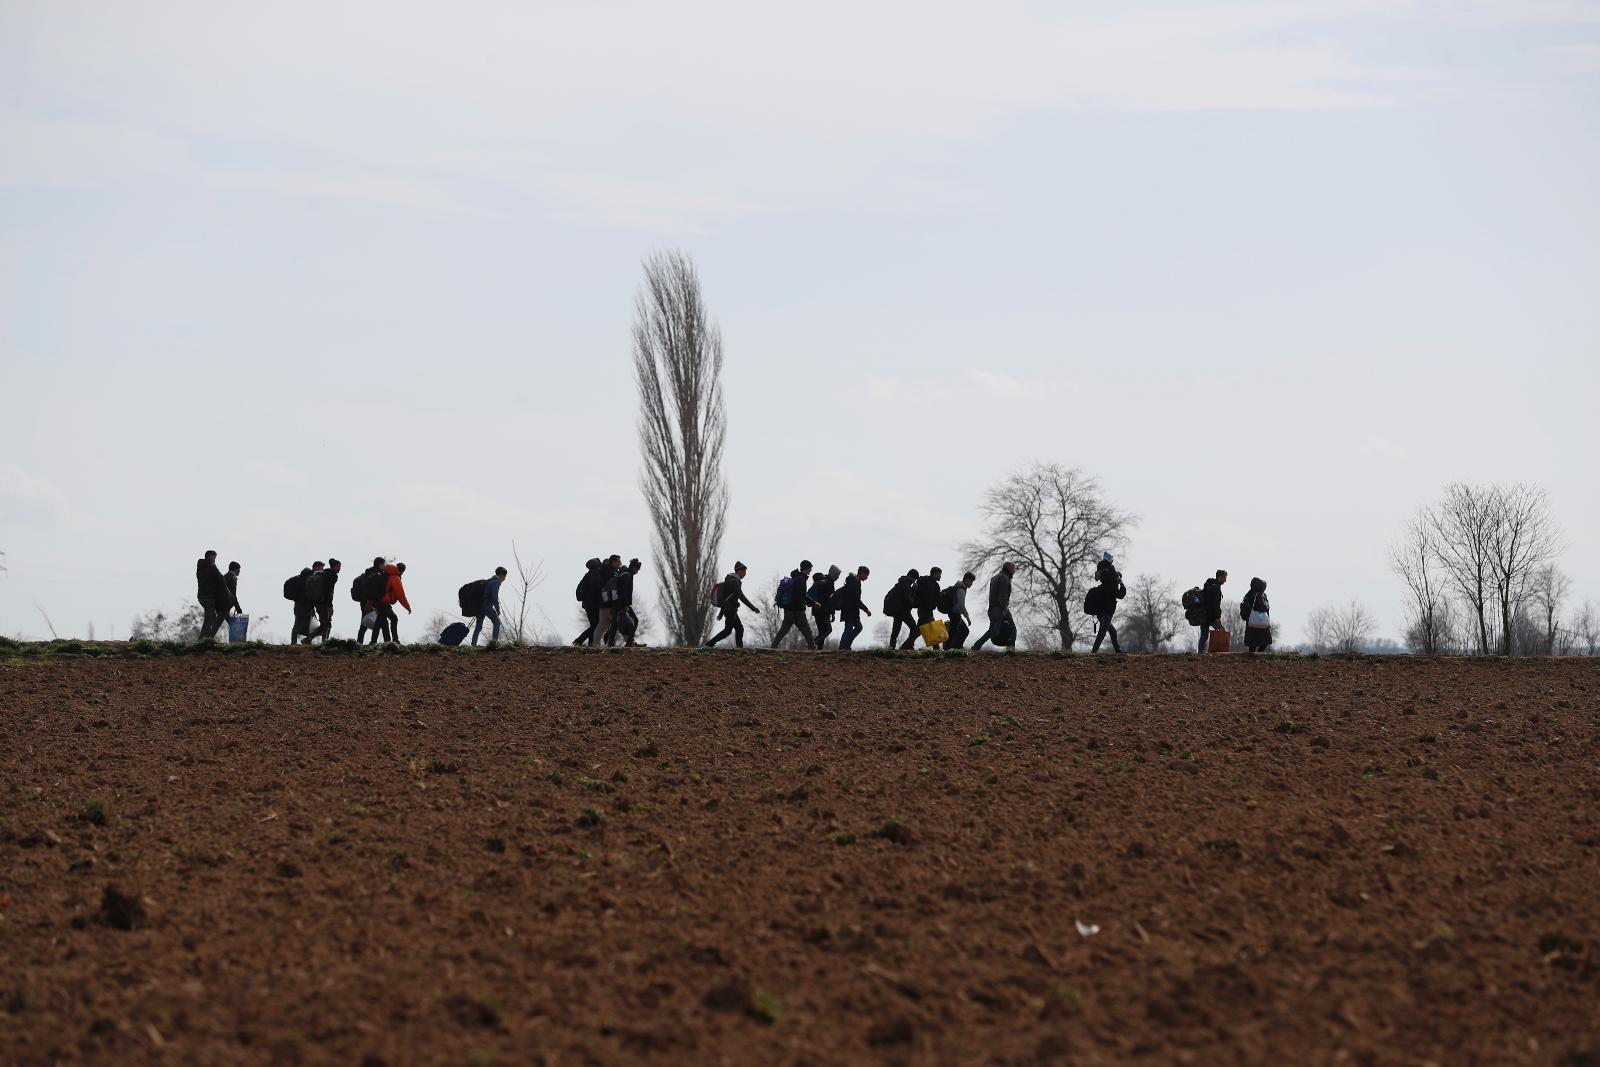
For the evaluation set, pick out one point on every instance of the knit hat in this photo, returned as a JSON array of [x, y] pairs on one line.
[[1106, 556], [739, 566]]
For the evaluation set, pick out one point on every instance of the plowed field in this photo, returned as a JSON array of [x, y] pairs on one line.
[[670, 857]]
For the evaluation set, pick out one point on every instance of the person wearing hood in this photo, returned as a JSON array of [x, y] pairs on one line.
[[300, 629], [953, 602], [324, 604], [851, 607], [821, 597], [366, 590], [925, 598], [616, 607], [794, 612], [394, 592], [897, 608], [1256, 613], [211, 591], [730, 594], [598, 573], [1211, 607], [1002, 627], [1108, 590]]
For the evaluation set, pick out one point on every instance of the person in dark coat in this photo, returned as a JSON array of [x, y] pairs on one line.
[[1108, 590], [1256, 638], [211, 591], [490, 608], [1000, 621], [925, 599], [821, 596], [616, 612], [794, 613], [897, 607], [953, 602], [730, 594], [230, 580], [1211, 607], [852, 607], [599, 572], [324, 605], [368, 589]]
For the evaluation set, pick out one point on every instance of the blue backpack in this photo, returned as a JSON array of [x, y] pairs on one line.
[[785, 592]]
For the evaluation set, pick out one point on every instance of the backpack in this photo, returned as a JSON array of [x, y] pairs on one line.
[[316, 582], [714, 598], [1193, 603], [947, 601], [785, 592], [357, 584], [470, 597], [609, 593], [1091, 601], [295, 588], [453, 634], [894, 601], [836, 602]]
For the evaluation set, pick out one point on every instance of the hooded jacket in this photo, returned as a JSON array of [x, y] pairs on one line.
[[851, 604], [230, 594], [1211, 601], [999, 594], [394, 591], [925, 594], [1255, 599], [593, 582], [821, 592], [208, 581], [897, 601], [624, 590], [732, 593]]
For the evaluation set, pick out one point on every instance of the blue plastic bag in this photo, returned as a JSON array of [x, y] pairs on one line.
[[238, 627]]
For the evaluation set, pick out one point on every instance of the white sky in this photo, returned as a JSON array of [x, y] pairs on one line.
[[301, 279]]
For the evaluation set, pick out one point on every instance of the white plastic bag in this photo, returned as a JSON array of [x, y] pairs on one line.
[[1260, 621], [370, 620]]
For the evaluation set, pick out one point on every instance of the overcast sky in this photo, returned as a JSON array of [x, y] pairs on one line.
[[302, 279]]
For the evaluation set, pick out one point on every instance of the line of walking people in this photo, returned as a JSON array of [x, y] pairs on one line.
[[311, 593]]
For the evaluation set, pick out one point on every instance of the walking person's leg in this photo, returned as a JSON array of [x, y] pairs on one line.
[[905, 619], [477, 628], [494, 617], [987, 634], [602, 624], [788, 621], [1100, 632], [324, 623], [852, 627], [805, 629], [1205, 636]]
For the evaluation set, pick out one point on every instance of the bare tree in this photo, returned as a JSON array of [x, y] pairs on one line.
[[1585, 627], [157, 625], [1152, 616], [1547, 592], [1054, 522], [1462, 536], [524, 579], [1444, 636], [1523, 539], [1416, 560], [677, 359], [1342, 629]]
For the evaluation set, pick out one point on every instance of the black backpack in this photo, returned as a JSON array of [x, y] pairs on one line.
[[356, 585], [295, 588], [1091, 601], [470, 597], [1194, 606], [316, 583], [947, 600], [369, 586]]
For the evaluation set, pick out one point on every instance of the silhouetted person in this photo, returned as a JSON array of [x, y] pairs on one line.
[[821, 596], [852, 607], [394, 592], [897, 607], [1108, 590], [1255, 607], [367, 590], [230, 601], [324, 604], [211, 591], [953, 602], [616, 607], [491, 606], [597, 573], [730, 594], [794, 612], [1001, 624], [1211, 607]]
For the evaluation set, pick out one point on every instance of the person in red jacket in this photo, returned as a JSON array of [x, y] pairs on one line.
[[394, 591]]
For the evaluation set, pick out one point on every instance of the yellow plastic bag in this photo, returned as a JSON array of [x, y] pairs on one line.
[[935, 632]]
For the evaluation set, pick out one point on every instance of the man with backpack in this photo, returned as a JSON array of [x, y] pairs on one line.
[[1108, 589], [489, 607], [616, 606], [793, 599], [324, 603], [1002, 627], [897, 607], [821, 597], [851, 607], [366, 591], [727, 596], [953, 602], [1210, 614], [211, 591], [599, 572], [296, 591], [925, 598]]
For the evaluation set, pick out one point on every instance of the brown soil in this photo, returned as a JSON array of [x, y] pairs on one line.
[[559, 857]]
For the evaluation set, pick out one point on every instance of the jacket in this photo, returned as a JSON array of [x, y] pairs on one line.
[[958, 594], [1211, 601], [732, 595], [624, 591], [230, 596], [999, 594], [208, 581], [330, 579], [594, 581], [491, 593], [898, 599], [925, 594], [851, 605], [1254, 600], [1109, 589], [821, 592], [370, 599], [394, 591]]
